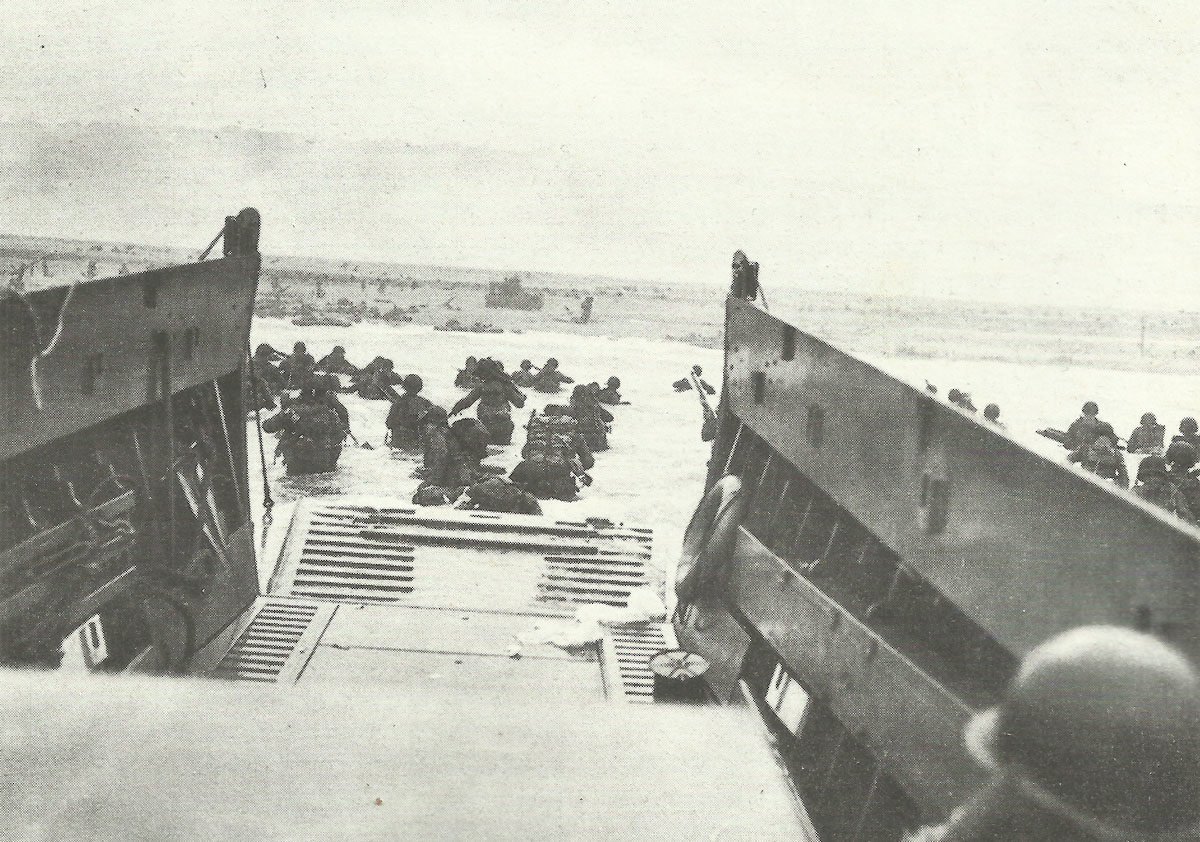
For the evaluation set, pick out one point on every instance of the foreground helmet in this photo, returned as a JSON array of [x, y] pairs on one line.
[[1101, 726], [1149, 419], [413, 383], [1090, 408], [263, 350], [1188, 426]]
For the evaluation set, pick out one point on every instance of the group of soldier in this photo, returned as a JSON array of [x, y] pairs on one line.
[[313, 423], [559, 449], [1166, 476]]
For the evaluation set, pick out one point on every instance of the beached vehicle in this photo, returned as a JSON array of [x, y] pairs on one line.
[[510, 294]]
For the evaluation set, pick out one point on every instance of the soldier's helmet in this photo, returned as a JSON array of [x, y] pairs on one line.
[[954, 396], [991, 412], [526, 365], [551, 363], [338, 350], [1101, 726], [300, 348], [1148, 419], [263, 350], [1090, 408], [413, 383], [1188, 426], [1181, 454], [613, 383]]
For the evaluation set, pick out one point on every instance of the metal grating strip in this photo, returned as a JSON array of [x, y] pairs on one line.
[[570, 579], [349, 552], [277, 641], [625, 654]]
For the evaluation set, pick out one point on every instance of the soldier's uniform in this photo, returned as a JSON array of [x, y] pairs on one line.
[[591, 418], [265, 368], [1147, 436], [611, 393], [497, 494], [256, 392], [403, 420], [495, 395], [311, 436], [549, 380], [323, 386], [446, 470], [1181, 461], [1102, 459], [555, 458], [1085, 429], [335, 362], [297, 369], [523, 376], [1155, 486], [466, 377]]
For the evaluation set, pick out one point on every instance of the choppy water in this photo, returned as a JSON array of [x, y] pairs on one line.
[[653, 473]]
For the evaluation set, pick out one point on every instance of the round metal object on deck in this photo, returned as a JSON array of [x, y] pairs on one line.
[[678, 676]]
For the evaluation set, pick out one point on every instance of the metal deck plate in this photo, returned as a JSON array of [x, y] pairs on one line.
[[450, 600]]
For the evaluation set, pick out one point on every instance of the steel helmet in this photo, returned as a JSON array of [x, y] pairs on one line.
[[1090, 408], [413, 383], [1188, 426], [614, 383], [1101, 726]]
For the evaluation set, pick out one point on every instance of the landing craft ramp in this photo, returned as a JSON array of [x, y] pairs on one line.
[[383, 592]]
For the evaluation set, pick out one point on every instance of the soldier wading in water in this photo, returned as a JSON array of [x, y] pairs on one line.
[[310, 434], [495, 394]]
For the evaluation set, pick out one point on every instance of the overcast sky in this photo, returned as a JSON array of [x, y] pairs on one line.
[[1026, 151]]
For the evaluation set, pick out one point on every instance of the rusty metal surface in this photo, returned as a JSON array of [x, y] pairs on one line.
[[1029, 547], [98, 367]]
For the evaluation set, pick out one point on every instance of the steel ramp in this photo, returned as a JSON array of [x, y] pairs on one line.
[[421, 598]]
